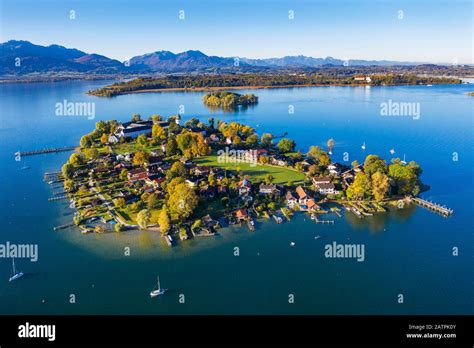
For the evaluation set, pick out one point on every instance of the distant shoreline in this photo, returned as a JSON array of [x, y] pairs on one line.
[[213, 89]]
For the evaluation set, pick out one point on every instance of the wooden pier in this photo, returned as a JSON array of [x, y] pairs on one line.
[[314, 217], [440, 209], [43, 151], [57, 198]]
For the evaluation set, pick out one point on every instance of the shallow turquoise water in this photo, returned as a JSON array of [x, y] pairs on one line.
[[408, 252]]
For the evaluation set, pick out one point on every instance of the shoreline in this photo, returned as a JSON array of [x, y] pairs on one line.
[[214, 89]]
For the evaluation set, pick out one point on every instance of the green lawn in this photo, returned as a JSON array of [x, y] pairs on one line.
[[133, 147], [257, 172]]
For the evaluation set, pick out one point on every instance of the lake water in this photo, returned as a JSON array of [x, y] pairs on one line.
[[407, 252]]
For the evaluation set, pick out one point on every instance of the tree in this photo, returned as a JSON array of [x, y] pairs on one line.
[[91, 153], [86, 141], [156, 118], [324, 160], [158, 132], [252, 140], [271, 206], [360, 188], [136, 117], [178, 169], [67, 170], [104, 138], [75, 159], [164, 221], [355, 164], [380, 185], [144, 197], [236, 140], [119, 202], [153, 201], [266, 139], [68, 185], [315, 152], [140, 158], [118, 227], [123, 175], [374, 164], [171, 146], [181, 199], [211, 179], [196, 224], [314, 170], [269, 179], [142, 140], [286, 145], [405, 177], [143, 218], [192, 144]]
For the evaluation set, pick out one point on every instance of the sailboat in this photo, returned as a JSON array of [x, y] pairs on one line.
[[363, 146], [157, 291], [16, 275], [392, 151]]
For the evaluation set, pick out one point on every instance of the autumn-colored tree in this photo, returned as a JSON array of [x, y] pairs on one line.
[[119, 202], [158, 132], [324, 160], [286, 145], [380, 185], [374, 164], [181, 199], [164, 221], [178, 169], [142, 140], [143, 218], [104, 138], [360, 188], [139, 158]]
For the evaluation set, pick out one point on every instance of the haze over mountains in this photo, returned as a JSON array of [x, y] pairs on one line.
[[23, 57]]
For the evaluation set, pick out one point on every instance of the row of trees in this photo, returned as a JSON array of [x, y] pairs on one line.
[[228, 99], [378, 179]]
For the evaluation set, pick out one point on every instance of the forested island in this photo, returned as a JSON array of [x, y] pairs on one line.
[[241, 81], [228, 100], [188, 180]]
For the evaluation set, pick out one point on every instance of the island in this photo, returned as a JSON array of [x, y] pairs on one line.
[[220, 82], [228, 100], [188, 180]]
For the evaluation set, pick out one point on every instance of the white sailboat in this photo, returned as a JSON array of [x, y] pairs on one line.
[[157, 291], [363, 146], [392, 151], [404, 160], [15, 274]]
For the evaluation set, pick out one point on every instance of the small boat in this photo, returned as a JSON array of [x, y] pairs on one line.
[[25, 168], [317, 237], [429, 85], [363, 146], [292, 243], [157, 291], [392, 151], [15, 274]]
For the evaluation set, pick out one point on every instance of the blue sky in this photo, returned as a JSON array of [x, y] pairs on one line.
[[434, 31]]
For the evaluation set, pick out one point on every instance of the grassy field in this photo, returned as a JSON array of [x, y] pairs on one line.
[[133, 147], [257, 172]]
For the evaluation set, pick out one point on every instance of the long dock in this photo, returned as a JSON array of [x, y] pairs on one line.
[[57, 198], [47, 150], [440, 209]]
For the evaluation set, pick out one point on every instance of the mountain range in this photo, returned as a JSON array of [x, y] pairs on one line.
[[24, 57]]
